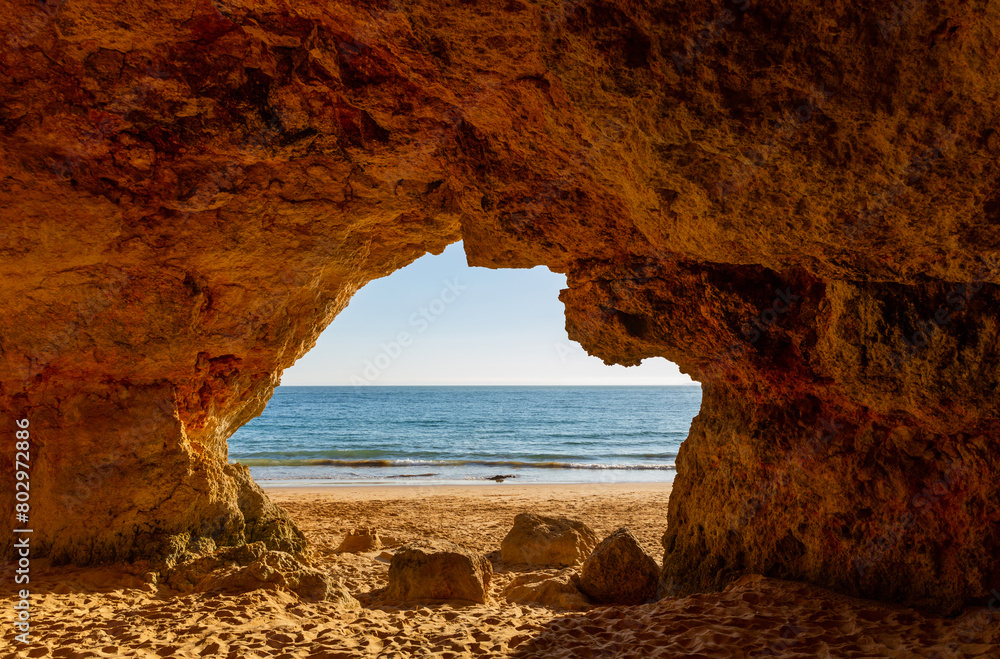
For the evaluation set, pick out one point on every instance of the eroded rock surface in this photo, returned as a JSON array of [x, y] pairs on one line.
[[797, 204], [559, 591], [619, 571], [438, 570], [360, 540], [541, 540], [252, 566]]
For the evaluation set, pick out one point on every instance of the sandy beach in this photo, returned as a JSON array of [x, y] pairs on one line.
[[107, 612]]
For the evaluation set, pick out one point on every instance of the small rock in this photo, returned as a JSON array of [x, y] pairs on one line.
[[537, 540], [249, 567], [558, 591], [619, 571], [438, 570], [390, 541], [340, 594], [360, 540]]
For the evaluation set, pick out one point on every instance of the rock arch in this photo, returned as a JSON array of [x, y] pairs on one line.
[[796, 204]]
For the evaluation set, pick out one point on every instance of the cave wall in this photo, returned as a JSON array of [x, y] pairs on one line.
[[795, 203]]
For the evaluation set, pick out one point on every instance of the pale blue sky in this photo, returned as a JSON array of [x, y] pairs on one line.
[[438, 321]]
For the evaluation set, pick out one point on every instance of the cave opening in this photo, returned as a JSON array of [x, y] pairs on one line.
[[444, 373]]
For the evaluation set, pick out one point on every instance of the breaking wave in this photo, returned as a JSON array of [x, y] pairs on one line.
[[515, 464]]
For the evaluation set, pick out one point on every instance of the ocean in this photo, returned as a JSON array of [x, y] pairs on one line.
[[412, 435]]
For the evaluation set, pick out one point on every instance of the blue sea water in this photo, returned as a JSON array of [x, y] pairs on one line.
[[356, 435]]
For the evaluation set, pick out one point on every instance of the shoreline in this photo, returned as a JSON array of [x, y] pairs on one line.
[[485, 487]]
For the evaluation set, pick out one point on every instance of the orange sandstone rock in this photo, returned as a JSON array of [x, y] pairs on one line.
[[559, 591], [360, 540], [797, 205], [438, 570], [619, 571], [539, 540]]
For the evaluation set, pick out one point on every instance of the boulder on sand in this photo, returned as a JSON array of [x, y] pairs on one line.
[[360, 540], [248, 567], [438, 570], [537, 540], [619, 571], [557, 591]]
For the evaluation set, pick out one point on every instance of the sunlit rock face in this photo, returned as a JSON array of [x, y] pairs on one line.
[[795, 202]]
